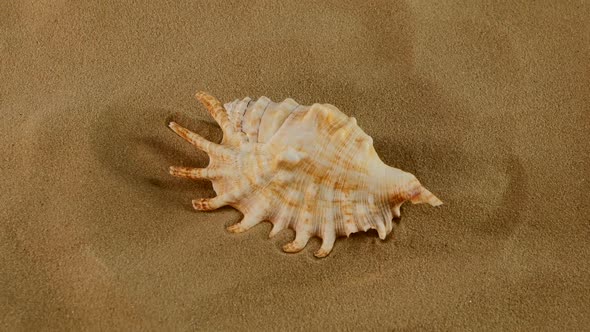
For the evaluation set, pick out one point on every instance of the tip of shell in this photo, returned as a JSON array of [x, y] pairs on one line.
[[292, 248], [236, 228], [425, 196], [199, 94], [321, 253]]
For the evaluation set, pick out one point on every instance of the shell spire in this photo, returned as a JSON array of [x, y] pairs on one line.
[[308, 168]]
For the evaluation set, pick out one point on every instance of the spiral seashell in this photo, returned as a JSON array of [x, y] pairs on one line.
[[308, 168]]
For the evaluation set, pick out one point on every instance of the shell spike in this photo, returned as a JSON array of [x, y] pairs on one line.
[[397, 211], [249, 221], [231, 135], [196, 173], [276, 228], [208, 204], [425, 196], [381, 229], [301, 239], [215, 108], [329, 237], [198, 141]]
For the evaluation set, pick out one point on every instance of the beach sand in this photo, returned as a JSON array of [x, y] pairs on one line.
[[487, 103]]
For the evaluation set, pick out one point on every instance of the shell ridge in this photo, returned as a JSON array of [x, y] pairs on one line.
[[293, 219], [237, 115], [260, 122], [253, 116], [341, 181], [269, 125], [246, 128], [280, 130], [321, 201], [244, 116], [381, 216], [229, 106]]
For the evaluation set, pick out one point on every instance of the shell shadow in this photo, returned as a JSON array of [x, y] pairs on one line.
[[137, 146], [508, 214]]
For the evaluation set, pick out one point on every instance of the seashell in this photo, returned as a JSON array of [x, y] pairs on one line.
[[308, 168]]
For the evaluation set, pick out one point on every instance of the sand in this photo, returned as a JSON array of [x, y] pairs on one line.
[[487, 103]]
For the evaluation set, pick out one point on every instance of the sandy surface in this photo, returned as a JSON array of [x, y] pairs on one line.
[[488, 104]]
